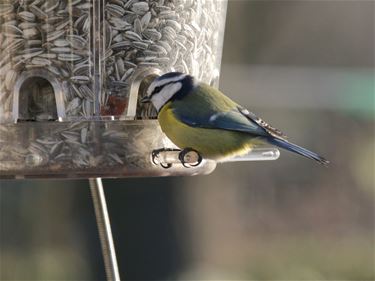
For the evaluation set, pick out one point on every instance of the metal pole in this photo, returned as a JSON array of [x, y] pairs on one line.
[[104, 228]]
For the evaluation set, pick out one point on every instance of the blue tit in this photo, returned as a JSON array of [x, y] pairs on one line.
[[197, 116]]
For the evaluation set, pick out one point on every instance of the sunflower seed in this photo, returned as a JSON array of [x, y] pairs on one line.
[[50, 5], [116, 158], [118, 38], [5, 9], [76, 41], [38, 12], [61, 43], [80, 79], [163, 60], [60, 50], [26, 25], [53, 69], [10, 79], [30, 33], [68, 57], [132, 36], [34, 43], [27, 16], [167, 14], [56, 148], [115, 10], [5, 59], [159, 49], [54, 35], [53, 19], [121, 45], [29, 53], [137, 26], [119, 24], [129, 64], [82, 70], [10, 21], [84, 135], [165, 45], [85, 6], [11, 31], [86, 92], [41, 61], [14, 46], [152, 34], [140, 45], [127, 74], [140, 8], [48, 28], [170, 32], [73, 105], [145, 20], [87, 108], [49, 56], [62, 25]]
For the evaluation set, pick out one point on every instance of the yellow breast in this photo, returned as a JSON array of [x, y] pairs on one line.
[[210, 143]]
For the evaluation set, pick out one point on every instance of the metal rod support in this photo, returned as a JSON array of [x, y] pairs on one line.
[[104, 228]]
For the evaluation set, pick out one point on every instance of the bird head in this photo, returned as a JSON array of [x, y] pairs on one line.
[[167, 87]]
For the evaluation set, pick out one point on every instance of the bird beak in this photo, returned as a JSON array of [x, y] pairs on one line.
[[145, 99]]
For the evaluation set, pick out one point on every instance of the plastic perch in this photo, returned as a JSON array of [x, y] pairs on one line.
[[257, 154], [166, 157]]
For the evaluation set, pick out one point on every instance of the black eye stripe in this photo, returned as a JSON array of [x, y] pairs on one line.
[[159, 88]]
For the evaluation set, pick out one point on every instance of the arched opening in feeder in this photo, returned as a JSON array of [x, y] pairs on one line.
[[38, 97], [141, 80], [37, 100]]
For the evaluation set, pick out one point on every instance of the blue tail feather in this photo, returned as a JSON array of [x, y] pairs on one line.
[[297, 149]]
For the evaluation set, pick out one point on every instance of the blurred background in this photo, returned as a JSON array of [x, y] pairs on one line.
[[307, 67]]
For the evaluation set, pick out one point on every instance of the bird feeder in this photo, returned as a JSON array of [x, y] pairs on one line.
[[71, 75]]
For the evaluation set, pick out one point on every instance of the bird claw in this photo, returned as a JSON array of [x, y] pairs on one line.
[[188, 157], [158, 160]]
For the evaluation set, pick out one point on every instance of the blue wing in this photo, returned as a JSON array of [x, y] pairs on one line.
[[208, 108], [233, 120]]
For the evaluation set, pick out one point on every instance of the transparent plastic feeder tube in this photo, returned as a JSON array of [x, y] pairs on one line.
[[67, 70]]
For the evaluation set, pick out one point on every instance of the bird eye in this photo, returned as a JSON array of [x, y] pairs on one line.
[[157, 89]]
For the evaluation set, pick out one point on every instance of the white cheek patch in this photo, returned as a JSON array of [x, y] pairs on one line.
[[150, 89], [165, 95]]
